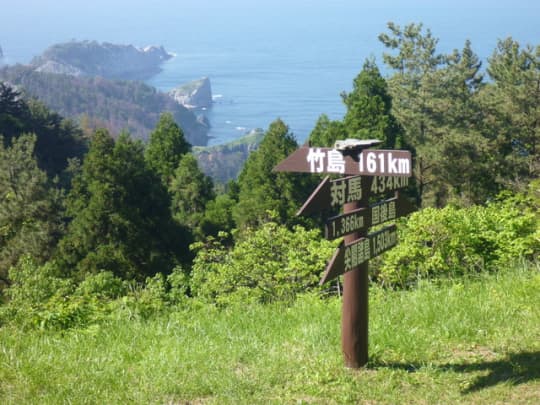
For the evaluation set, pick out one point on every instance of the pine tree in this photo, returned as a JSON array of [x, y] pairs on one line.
[[120, 215], [57, 139], [326, 132], [515, 110], [166, 147], [13, 113], [30, 206], [435, 99], [190, 191], [262, 190], [369, 108]]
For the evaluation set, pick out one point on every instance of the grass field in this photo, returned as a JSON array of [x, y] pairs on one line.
[[469, 341]]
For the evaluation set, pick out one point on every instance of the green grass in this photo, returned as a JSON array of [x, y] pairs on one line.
[[473, 341]]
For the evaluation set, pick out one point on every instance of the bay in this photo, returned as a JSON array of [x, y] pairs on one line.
[[265, 59]]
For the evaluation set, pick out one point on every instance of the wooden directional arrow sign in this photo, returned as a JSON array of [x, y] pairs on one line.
[[335, 193], [348, 257], [363, 218], [368, 162]]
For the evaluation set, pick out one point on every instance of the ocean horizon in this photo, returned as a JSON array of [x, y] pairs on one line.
[[265, 60]]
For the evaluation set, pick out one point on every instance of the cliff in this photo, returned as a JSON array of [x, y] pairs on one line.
[[90, 58], [224, 162], [195, 94]]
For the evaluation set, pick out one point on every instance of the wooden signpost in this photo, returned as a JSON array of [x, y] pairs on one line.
[[371, 173]]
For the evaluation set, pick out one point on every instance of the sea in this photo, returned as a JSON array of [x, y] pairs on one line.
[[287, 59]]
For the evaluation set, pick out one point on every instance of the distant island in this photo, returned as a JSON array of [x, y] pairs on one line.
[[111, 61]]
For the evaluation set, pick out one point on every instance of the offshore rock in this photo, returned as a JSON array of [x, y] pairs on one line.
[[195, 94]]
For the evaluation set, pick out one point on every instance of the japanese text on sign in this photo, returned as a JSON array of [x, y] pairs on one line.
[[346, 190], [366, 248], [386, 211], [356, 254], [333, 159]]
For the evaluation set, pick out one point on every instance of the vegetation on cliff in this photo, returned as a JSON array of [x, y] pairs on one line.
[[96, 102]]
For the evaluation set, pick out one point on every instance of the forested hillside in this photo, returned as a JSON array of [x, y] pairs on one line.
[[88, 221], [95, 102]]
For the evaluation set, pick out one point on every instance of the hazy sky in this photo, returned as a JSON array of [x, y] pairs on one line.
[[36, 24]]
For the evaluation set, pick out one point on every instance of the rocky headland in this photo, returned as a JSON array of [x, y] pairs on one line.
[[224, 162], [111, 61], [193, 95]]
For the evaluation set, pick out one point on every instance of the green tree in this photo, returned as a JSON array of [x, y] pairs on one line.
[[514, 103], [166, 147], [218, 216], [436, 101], [120, 213], [13, 112], [369, 108], [326, 132], [30, 206], [415, 58], [57, 139], [262, 190], [190, 191], [458, 119]]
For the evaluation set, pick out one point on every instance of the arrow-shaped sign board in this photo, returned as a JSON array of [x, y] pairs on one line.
[[368, 162], [363, 218], [335, 193], [348, 257]]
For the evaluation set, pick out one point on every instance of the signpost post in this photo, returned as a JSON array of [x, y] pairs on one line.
[[371, 172]]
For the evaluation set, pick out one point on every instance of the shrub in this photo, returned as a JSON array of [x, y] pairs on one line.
[[271, 263], [158, 294], [103, 285], [39, 297], [452, 242]]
